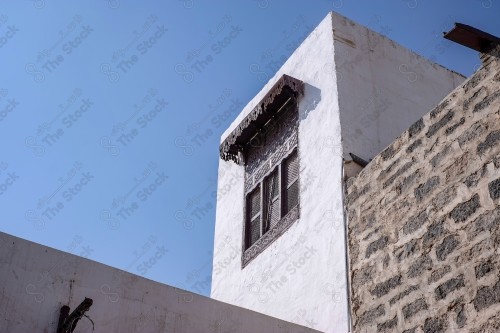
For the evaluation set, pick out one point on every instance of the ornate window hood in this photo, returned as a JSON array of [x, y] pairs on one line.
[[284, 88]]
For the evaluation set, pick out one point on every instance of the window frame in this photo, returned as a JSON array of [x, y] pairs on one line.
[[238, 147], [264, 207], [267, 237]]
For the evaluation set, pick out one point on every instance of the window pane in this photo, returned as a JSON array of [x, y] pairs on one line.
[[273, 184], [254, 231], [254, 203], [253, 216], [274, 213], [292, 196], [291, 168]]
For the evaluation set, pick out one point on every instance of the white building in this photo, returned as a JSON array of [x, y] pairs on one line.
[[280, 242]]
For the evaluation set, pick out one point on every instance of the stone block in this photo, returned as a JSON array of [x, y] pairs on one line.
[[363, 275], [410, 330], [389, 169], [388, 325], [406, 250], [453, 127], [355, 194], [443, 198], [474, 97], [416, 128], [398, 173], [474, 178], [436, 160], [376, 245], [449, 286], [439, 273], [423, 190], [434, 128], [474, 252], [496, 161], [369, 316], [494, 189], [461, 316], [474, 80], [402, 294], [410, 309], [415, 144], [465, 209], [434, 232], [484, 268], [388, 153], [476, 129], [407, 182], [415, 223], [491, 140], [435, 325], [457, 168], [385, 287], [448, 245], [486, 296], [487, 221], [419, 266], [439, 108], [487, 101]]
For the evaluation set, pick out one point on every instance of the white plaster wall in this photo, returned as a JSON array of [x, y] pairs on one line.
[[311, 293], [36, 281], [383, 87]]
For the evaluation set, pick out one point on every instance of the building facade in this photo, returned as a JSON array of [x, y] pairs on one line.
[[280, 240], [310, 235]]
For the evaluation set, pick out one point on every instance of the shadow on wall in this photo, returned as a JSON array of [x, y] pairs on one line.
[[312, 97]]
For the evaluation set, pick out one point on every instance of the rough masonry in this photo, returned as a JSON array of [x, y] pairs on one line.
[[424, 219]]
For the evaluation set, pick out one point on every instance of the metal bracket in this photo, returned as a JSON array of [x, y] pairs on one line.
[[67, 322]]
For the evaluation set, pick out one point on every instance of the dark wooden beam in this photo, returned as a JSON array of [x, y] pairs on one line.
[[471, 37]]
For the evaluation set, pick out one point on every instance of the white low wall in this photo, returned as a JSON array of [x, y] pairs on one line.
[[36, 281]]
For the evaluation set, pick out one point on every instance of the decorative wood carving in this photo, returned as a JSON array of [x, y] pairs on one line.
[[286, 87]]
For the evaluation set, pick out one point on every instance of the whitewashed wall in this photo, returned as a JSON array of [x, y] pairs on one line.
[[383, 87], [37, 280], [301, 277]]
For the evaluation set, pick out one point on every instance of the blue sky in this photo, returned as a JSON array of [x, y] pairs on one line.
[[111, 112]]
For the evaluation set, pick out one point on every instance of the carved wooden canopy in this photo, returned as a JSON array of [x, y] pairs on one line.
[[284, 88]]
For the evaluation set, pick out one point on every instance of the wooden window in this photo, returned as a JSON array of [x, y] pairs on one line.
[[272, 198], [266, 143]]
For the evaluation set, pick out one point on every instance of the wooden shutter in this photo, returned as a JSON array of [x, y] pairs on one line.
[[291, 182], [273, 214], [253, 218]]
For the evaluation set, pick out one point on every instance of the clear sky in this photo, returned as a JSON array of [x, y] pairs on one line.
[[111, 112]]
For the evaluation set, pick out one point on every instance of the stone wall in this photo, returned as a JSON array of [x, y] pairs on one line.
[[424, 219]]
